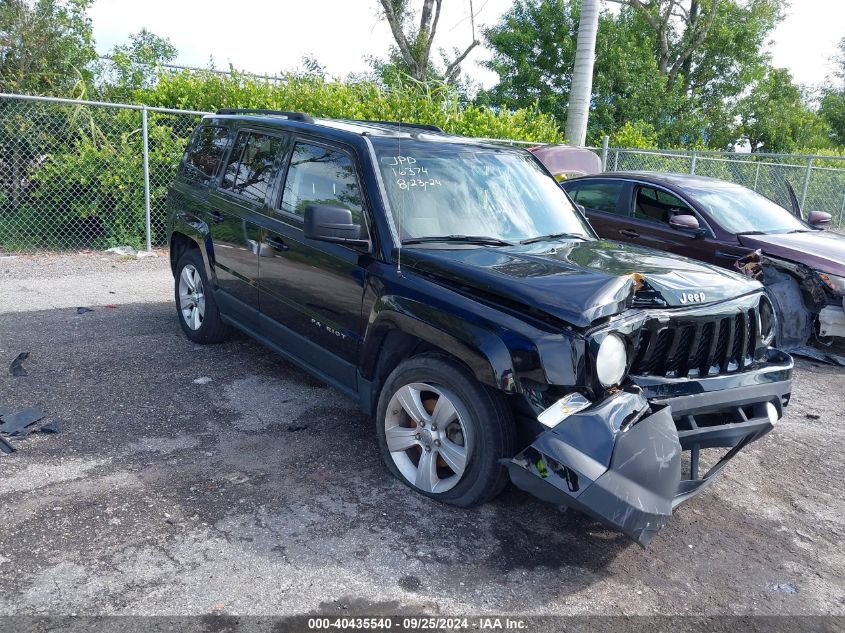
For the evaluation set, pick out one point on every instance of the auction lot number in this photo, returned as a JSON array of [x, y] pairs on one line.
[[415, 623]]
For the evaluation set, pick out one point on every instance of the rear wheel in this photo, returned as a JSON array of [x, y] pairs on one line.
[[195, 304], [443, 433]]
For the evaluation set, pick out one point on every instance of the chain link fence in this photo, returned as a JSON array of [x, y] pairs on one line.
[[818, 181], [86, 175], [90, 175]]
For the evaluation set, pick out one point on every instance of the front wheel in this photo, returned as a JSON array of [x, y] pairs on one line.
[[442, 432]]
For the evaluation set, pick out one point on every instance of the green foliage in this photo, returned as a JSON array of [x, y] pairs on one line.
[[46, 47], [136, 65], [774, 118], [832, 107], [433, 103], [687, 92], [832, 111], [104, 172], [87, 188], [639, 134]]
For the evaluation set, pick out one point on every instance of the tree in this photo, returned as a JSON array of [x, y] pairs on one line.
[[680, 28], [774, 116], [688, 93], [832, 107], [415, 42], [46, 46], [533, 49], [137, 65], [582, 76]]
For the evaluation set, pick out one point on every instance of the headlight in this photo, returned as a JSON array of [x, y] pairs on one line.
[[834, 282], [611, 360], [768, 320]]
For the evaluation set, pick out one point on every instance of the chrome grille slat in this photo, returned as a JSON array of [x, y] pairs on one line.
[[697, 346]]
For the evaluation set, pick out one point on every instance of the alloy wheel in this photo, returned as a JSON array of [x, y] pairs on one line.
[[426, 437], [191, 297]]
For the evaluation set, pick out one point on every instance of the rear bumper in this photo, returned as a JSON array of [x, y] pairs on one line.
[[620, 460]]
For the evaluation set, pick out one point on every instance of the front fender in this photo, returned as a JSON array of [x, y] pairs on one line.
[[480, 349]]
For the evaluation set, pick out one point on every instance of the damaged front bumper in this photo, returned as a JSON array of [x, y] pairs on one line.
[[620, 460]]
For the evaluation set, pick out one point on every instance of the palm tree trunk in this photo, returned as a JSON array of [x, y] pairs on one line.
[[582, 76]]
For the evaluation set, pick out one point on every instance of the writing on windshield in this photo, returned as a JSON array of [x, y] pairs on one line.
[[499, 194]]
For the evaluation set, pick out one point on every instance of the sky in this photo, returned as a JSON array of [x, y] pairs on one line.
[[340, 34]]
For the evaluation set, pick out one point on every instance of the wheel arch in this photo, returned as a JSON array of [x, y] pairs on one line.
[[183, 241], [397, 333]]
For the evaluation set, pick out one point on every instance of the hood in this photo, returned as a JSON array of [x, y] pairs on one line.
[[577, 282], [820, 250]]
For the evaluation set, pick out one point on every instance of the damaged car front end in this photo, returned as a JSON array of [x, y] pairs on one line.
[[695, 379]]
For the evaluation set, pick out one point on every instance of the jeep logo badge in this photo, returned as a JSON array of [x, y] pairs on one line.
[[689, 297]]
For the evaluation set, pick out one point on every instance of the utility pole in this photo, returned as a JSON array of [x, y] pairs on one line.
[[582, 76]]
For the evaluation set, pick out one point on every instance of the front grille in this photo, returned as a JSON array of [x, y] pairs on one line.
[[697, 346]]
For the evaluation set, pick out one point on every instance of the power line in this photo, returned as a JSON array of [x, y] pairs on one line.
[[197, 69]]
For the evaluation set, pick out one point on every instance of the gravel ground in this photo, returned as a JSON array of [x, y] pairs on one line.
[[261, 490]]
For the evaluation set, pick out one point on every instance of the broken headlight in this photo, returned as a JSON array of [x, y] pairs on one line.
[[611, 360], [834, 282]]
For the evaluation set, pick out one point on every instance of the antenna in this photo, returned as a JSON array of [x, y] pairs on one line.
[[401, 210]]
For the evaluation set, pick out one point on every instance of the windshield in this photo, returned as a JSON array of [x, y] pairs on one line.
[[504, 195], [741, 210]]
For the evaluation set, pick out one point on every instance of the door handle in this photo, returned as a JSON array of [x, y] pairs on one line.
[[217, 218], [629, 233], [277, 244]]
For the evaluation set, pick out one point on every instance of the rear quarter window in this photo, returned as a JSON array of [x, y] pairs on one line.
[[205, 153]]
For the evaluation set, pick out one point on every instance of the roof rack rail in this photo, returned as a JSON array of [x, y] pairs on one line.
[[418, 126], [293, 116]]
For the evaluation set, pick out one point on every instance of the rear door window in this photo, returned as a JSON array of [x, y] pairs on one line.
[[249, 172], [598, 196], [206, 152], [321, 175]]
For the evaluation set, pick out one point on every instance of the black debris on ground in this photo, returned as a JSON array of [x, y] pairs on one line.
[[293, 428], [17, 368], [51, 427], [16, 424], [83, 310], [5, 447]]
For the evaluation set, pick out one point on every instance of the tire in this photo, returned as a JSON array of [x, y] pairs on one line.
[[794, 319], [196, 308], [478, 427]]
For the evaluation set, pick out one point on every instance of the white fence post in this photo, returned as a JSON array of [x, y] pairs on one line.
[[842, 213], [806, 182], [616, 161], [757, 176], [605, 143], [146, 142], [693, 162]]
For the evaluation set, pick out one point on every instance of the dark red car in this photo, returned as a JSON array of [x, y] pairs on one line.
[[802, 265]]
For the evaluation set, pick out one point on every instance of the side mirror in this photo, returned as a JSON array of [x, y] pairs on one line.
[[332, 224], [819, 218], [684, 223]]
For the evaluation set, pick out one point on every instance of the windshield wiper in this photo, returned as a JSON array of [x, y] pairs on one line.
[[551, 236], [751, 233], [464, 239]]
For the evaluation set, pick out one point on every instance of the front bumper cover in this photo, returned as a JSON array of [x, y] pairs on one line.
[[620, 460]]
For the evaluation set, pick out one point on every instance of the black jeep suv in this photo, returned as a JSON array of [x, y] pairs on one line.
[[452, 289]]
